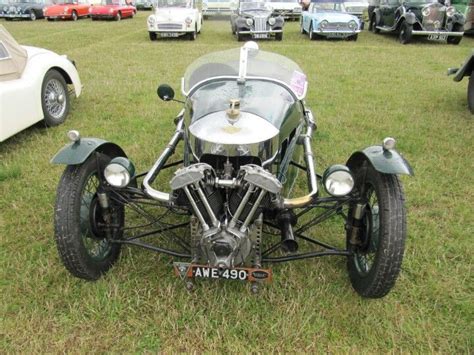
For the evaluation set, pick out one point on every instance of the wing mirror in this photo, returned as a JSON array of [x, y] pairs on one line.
[[166, 93]]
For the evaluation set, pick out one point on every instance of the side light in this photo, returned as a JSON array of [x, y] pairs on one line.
[[249, 22], [426, 11], [188, 20], [389, 143], [119, 172], [450, 11], [271, 21], [74, 135], [338, 180]]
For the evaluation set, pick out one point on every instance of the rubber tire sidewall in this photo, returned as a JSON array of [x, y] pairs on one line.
[[67, 222], [49, 120], [74, 18], [392, 234], [408, 29], [470, 93]]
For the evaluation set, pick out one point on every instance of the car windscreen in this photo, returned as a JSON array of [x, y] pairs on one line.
[[265, 99], [173, 3], [260, 64]]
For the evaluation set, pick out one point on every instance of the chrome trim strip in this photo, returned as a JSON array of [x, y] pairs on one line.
[[421, 33], [260, 32]]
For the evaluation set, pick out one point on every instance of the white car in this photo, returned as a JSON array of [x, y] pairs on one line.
[[174, 18], [33, 86], [218, 7], [288, 9]]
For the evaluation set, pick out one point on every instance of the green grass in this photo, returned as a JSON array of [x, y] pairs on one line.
[[359, 92]]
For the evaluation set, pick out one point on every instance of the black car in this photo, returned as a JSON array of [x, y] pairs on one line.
[[143, 4], [30, 10], [255, 19], [428, 18]]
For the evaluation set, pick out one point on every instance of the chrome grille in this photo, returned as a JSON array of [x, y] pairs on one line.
[[435, 19], [12, 10], [260, 23], [337, 26], [170, 26]]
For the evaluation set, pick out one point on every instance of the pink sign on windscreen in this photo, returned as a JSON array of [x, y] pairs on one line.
[[298, 82]]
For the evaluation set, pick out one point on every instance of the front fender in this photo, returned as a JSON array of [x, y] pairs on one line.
[[77, 152], [410, 18], [378, 16], [384, 161]]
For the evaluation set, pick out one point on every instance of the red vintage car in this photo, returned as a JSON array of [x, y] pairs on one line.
[[67, 10], [112, 9]]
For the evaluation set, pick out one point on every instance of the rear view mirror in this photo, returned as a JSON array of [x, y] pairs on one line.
[[165, 92]]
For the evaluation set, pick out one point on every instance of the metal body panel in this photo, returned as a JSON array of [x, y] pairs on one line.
[[384, 161], [77, 152]]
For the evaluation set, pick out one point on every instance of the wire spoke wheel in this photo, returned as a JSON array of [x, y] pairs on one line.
[[380, 237], [54, 98]]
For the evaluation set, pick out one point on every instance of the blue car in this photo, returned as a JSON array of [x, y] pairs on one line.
[[327, 18]]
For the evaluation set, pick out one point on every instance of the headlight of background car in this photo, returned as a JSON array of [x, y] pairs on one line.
[[188, 20], [249, 22], [151, 20], [352, 25], [119, 172], [111, 10], [18, 9], [271, 21], [450, 11], [5, 8], [323, 24], [426, 11], [338, 180]]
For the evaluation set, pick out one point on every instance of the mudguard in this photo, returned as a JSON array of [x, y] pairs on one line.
[[77, 152], [466, 69], [384, 161], [377, 15]]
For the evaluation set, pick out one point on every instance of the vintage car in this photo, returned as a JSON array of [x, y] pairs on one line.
[[174, 18], [428, 18], [27, 9], [33, 86], [466, 7], [67, 10], [217, 7], [289, 10], [327, 18], [254, 19], [112, 10], [467, 69], [143, 4], [357, 8], [234, 203]]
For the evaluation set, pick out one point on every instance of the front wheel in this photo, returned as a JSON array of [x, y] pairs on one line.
[[54, 98], [74, 16], [193, 35], [118, 17], [240, 37], [373, 25], [152, 36], [406, 33], [32, 16], [470, 93], [378, 243], [312, 35], [455, 39], [279, 36], [79, 221]]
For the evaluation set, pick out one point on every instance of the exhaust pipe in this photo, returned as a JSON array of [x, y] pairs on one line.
[[288, 241]]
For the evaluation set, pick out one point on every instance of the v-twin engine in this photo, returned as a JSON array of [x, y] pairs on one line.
[[228, 210]]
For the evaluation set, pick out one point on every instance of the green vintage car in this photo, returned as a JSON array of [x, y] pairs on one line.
[[467, 69], [435, 20], [466, 7]]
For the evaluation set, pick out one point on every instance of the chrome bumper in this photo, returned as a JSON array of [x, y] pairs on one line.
[[427, 33], [259, 32], [15, 16]]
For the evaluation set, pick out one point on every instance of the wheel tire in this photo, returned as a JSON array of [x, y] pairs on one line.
[[406, 33], [302, 31], [240, 37], [193, 35], [74, 16], [353, 37], [470, 93], [279, 36], [32, 16], [312, 35], [54, 98], [386, 211], [152, 36], [455, 39], [73, 230], [373, 25], [118, 17]]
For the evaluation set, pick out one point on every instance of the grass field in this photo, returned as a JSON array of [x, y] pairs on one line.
[[359, 91]]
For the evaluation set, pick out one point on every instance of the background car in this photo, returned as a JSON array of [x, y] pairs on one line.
[[143, 5], [326, 18], [289, 10], [112, 10], [217, 7], [466, 70], [33, 86], [67, 10], [357, 8], [28, 9], [175, 18], [254, 19], [466, 7], [424, 18]]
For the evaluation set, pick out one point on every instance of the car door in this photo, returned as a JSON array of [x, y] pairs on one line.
[[387, 10], [82, 8]]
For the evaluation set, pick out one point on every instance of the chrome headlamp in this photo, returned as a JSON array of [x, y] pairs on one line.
[[450, 11], [249, 22], [5, 8], [188, 20], [323, 24], [338, 180], [18, 9], [271, 21], [352, 25], [151, 20], [426, 11], [119, 172]]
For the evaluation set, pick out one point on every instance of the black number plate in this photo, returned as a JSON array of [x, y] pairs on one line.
[[207, 272]]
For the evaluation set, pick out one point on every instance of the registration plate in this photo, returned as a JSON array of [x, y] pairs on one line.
[[169, 34], [261, 35], [336, 35], [207, 272], [438, 37]]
